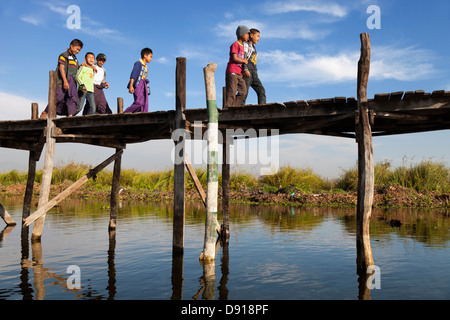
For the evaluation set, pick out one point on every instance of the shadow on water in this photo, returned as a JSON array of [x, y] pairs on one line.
[[418, 225]]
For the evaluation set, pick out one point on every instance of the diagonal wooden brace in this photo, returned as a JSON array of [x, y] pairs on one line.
[[71, 189]]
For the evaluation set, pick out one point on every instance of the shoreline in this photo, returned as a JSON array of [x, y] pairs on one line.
[[393, 196]]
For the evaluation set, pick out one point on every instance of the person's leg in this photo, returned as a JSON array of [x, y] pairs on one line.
[[81, 98], [248, 82], [242, 90], [258, 87], [91, 100], [231, 87]]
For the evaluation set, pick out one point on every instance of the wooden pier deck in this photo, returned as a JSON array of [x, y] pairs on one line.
[[390, 113]]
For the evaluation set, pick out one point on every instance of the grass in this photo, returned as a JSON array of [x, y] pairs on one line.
[[424, 176]]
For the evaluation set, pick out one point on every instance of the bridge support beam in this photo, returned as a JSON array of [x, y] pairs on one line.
[[179, 156], [209, 248], [366, 175]]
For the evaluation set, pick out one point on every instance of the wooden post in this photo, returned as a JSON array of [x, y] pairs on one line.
[[49, 156], [365, 160], [31, 171], [115, 185], [212, 166], [226, 188], [179, 171]]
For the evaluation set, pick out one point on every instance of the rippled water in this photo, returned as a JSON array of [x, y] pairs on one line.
[[274, 252]]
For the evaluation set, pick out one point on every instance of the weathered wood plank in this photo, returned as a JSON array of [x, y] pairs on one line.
[[6, 216], [396, 96]]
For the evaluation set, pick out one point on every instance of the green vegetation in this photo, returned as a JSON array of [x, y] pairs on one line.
[[424, 176]]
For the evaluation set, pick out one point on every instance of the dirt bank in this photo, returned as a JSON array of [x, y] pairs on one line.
[[392, 196]]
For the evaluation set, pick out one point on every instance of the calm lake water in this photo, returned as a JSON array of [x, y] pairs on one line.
[[274, 252]]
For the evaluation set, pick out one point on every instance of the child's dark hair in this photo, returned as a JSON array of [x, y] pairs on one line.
[[253, 31], [77, 43], [146, 51], [88, 53]]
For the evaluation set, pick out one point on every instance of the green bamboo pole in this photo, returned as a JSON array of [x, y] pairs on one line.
[[212, 166]]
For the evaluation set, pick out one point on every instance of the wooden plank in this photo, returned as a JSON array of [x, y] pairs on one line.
[[438, 93], [396, 96], [381, 97], [408, 95], [419, 94], [366, 177], [290, 104], [195, 179], [41, 211], [6, 216]]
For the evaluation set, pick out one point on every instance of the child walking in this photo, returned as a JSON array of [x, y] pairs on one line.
[[250, 70], [233, 74], [99, 84], [85, 80], [139, 83], [66, 86]]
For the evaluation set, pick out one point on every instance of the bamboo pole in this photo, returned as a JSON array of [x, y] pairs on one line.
[[365, 160], [60, 197], [49, 157], [208, 252], [179, 170]]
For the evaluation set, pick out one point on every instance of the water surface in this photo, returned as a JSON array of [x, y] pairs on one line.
[[274, 252]]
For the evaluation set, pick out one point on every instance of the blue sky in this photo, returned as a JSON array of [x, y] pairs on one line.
[[308, 50]]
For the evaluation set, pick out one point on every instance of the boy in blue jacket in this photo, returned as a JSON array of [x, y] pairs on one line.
[[139, 83]]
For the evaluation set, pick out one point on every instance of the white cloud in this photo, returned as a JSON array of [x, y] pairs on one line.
[[33, 20], [319, 7], [272, 30], [16, 107], [402, 64]]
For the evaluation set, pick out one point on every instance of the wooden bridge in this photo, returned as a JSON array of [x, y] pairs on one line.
[[348, 117]]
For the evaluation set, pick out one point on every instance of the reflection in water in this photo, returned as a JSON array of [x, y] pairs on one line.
[[279, 221]]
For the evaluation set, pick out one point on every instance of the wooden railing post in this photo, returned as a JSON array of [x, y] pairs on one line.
[[365, 161]]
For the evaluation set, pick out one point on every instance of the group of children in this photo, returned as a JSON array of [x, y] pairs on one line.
[[241, 72], [80, 83]]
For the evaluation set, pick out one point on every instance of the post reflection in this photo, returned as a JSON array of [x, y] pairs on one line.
[[34, 269]]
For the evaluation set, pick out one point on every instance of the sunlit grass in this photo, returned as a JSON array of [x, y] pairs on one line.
[[426, 175]]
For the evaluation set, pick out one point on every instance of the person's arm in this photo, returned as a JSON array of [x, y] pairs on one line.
[[62, 71], [131, 89], [235, 58]]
